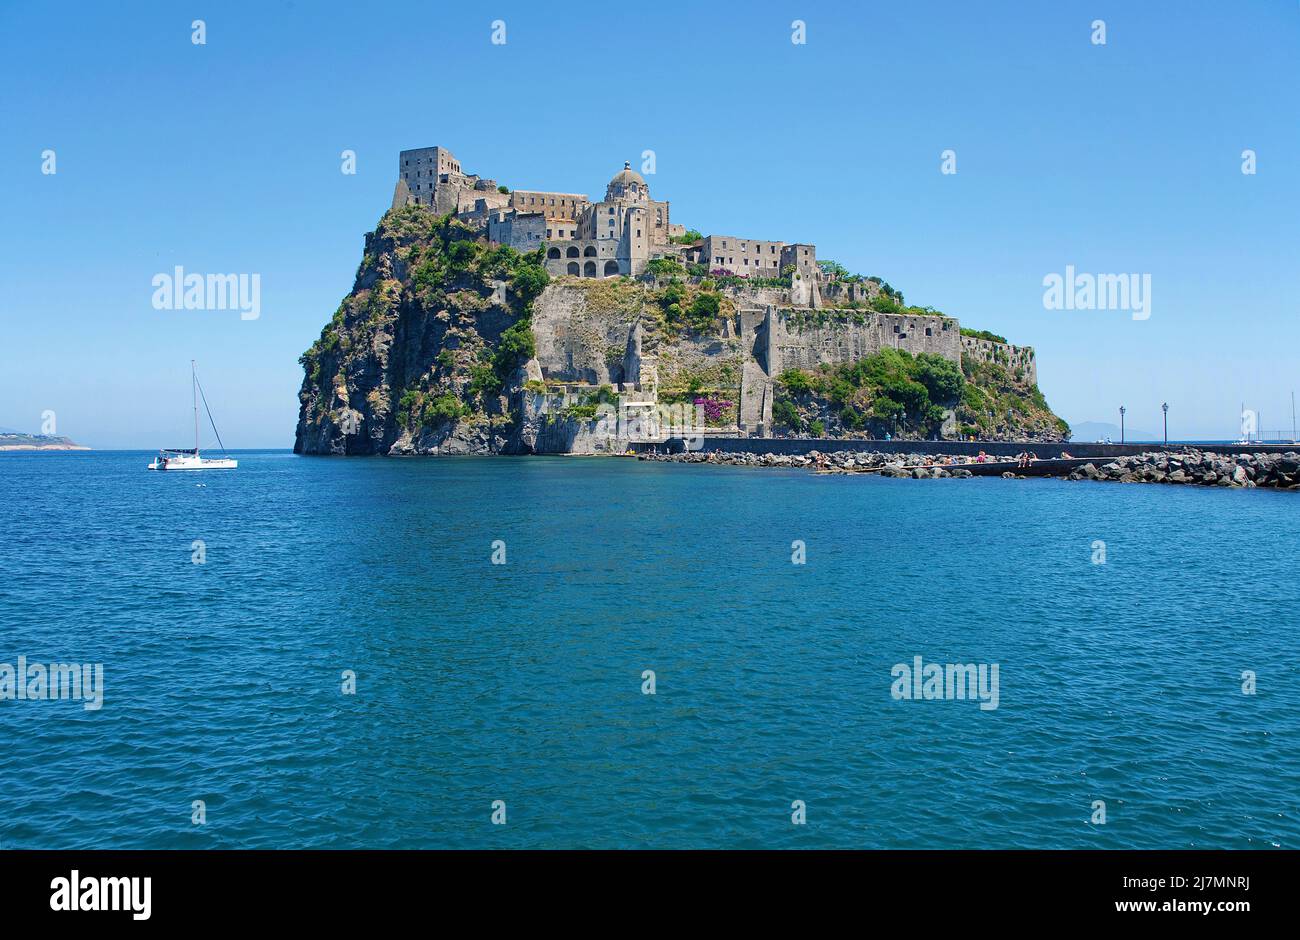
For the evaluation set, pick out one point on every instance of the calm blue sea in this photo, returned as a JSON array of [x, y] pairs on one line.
[[522, 682]]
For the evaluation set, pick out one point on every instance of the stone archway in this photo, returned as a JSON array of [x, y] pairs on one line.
[[573, 267], [589, 269], [611, 268]]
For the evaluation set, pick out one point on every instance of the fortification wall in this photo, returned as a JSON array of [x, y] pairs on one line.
[[805, 339], [1016, 359]]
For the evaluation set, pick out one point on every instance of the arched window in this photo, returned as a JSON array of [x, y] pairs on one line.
[[573, 267], [590, 251], [611, 268], [553, 253], [573, 251], [589, 269]]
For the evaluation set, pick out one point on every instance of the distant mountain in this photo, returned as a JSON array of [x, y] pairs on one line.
[[1089, 431], [16, 440]]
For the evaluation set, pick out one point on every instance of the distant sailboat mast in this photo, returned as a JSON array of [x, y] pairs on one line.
[[194, 393]]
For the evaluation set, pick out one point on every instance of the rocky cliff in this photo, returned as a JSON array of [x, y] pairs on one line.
[[450, 345], [428, 352]]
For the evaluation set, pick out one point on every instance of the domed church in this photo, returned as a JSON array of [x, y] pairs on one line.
[[620, 234], [614, 236]]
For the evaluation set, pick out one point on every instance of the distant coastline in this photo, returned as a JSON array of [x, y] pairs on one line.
[[37, 442]]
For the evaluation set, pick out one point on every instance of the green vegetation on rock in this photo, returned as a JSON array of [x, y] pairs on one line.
[[426, 282], [891, 385]]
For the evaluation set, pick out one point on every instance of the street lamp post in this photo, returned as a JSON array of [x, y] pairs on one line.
[[1165, 409], [1122, 409]]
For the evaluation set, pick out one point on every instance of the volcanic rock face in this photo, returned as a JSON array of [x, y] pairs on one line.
[[429, 352]]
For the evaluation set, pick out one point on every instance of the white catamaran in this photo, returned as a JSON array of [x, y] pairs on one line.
[[187, 459]]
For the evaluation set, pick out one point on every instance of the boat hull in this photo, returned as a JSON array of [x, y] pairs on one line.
[[201, 464]]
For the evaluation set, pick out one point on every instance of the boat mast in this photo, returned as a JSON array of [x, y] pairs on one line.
[[194, 393]]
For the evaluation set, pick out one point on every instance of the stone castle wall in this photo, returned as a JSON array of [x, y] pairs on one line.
[[582, 341], [805, 339], [1016, 359]]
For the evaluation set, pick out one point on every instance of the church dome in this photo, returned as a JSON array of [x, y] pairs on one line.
[[626, 175], [627, 184]]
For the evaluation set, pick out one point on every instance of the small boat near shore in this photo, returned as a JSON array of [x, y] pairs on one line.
[[189, 458]]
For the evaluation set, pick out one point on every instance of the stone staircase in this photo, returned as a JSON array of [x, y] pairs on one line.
[[755, 399]]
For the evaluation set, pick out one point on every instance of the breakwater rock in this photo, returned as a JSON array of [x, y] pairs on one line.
[[1280, 471], [917, 465], [1190, 467]]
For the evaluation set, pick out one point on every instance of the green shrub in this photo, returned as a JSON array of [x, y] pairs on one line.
[[517, 345], [796, 381], [941, 378], [659, 266], [852, 418], [528, 283], [785, 415], [483, 380], [703, 312], [441, 410]]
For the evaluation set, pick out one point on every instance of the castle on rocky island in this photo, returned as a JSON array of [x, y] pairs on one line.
[[639, 316], [620, 235]]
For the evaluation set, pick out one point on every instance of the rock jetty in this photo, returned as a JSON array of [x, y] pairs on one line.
[[1197, 468], [1190, 467]]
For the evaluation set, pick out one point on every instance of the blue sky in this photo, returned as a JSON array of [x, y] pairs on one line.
[[226, 158]]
